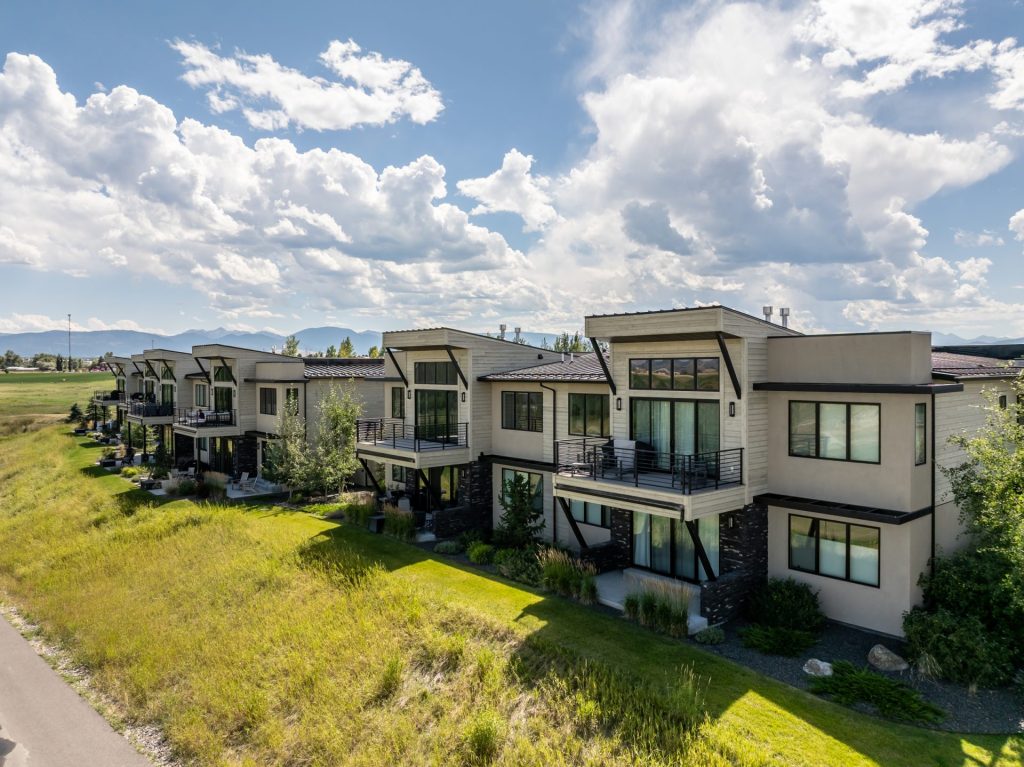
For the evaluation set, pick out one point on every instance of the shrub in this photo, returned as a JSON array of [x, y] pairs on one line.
[[777, 640], [849, 685], [588, 589], [480, 553], [216, 484], [785, 603], [449, 547], [710, 636], [563, 574], [483, 736], [469, 536], [399, 523], [186, 486], [519, 565], [108, 453], [128, 472], [631, 606], [359, 514], [957, 647]]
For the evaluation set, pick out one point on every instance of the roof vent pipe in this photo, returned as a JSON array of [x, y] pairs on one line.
[[767, 310], [784, 314], [572, 356], [563, 357]]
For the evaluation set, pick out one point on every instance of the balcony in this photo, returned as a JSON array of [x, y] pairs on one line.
[[421, 445], [605, 460], [150, 410], [108, 398], [194, 418]]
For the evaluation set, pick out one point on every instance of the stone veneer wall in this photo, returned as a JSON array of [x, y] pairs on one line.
[[617, 552], [184, 449], [742, 563], [474, 509], [246, 455]]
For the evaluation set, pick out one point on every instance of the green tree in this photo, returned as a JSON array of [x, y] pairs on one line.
[[161, 462], [333, 458], [521, 521], [375, 352], [291, 347], [574, 343], [60, 363], [75, 415], [332, 351], [346, 349], [11, 359], [287, 459]]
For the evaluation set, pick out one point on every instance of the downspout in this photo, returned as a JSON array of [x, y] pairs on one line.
[[932, 560], [554, 450]]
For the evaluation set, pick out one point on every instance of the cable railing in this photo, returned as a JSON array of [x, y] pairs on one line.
[[108, 395], [197, 418], [633, 463], [398, 435]]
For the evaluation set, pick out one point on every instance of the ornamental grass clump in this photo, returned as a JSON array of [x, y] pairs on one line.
[[661, 605], [563, 574], [399, 523]]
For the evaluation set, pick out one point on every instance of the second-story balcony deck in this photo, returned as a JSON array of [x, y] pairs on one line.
[[198, 418], [630, 470], [108, 397], [151, 411], [426, 444]]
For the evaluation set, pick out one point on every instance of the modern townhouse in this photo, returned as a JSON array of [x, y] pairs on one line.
[[126, 380], [163, 388], [436, 432]]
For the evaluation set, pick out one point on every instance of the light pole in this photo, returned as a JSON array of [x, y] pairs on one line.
[[69, 344]]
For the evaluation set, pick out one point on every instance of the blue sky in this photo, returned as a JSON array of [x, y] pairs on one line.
[[388, 165]]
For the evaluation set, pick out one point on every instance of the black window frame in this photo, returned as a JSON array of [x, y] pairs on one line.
[[606, 426], [921, 425], [605, 513], [510, 403], [396, 467], [438, 373], [205, 389], [815, 532], [398, 398], [268, 400], [692, 363], [817, 430]]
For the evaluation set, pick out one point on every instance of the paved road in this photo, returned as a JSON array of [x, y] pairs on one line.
[[44, 723]]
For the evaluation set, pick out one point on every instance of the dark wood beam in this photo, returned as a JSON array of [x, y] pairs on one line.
[[604, 364], [373, 479], [584, 546], [702, 555], [398, 367], [729, 366], [451, 356]]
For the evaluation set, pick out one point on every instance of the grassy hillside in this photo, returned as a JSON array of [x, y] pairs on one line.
[[48, 393], [256, 636]]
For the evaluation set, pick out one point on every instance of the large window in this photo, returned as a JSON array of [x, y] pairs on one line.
[[839, 431], [223, 398], [522, 410], [202, 395], [591, 513], [434, 373], [536, 485], [167, 373], [920, 433], [678, 374], [268, 401], [834, 549], [674, 427], [167, 394], [397, 473], [397, 402], [222, 373], [665, 545], [588, 415]]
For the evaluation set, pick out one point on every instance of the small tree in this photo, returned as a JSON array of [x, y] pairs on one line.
[[573, 343], [75, 415], [521, 522], [161, 462], [332, 351], [346, 349], [291, 347], [375, 352], [333, 459], [287, 460]]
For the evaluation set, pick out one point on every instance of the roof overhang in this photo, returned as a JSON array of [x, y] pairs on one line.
[[854, 388], [835, 508]]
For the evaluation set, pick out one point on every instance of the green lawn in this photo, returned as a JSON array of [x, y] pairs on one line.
[[256, 636], [48, 393]]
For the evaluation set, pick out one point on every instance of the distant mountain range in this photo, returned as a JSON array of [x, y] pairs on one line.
[[94, 343]]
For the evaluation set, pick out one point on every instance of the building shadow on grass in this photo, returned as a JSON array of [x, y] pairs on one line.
[[621, 655]]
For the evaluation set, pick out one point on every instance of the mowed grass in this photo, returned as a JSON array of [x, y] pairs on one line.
[[48, 393], [260, 637]]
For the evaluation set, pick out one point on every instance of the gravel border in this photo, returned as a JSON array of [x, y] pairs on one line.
[[989, 712]]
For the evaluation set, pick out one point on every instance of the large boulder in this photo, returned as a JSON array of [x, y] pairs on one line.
[[816, 667], [884, 659]]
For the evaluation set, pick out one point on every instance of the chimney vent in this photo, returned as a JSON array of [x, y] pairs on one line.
[[501, 329], [519, 333], [784, 314], [767, 310]]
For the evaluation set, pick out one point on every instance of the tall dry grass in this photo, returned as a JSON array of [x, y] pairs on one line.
[[253, 643]]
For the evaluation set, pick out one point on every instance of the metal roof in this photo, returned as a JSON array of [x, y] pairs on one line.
[[340, 367], [578, 367], [952, 365]]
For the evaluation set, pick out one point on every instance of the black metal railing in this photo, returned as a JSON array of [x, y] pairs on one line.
[[398, 435], [604, 460], [150, 410], [196, 418], [106, 395]]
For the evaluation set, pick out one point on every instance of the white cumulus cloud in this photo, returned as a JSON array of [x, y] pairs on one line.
[[513, 189]]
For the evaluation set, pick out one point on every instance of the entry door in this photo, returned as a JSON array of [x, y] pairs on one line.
[[437, 414]]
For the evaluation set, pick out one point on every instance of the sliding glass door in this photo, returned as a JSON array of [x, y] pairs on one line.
[[666, 546], [437, 414], [682, 427]]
